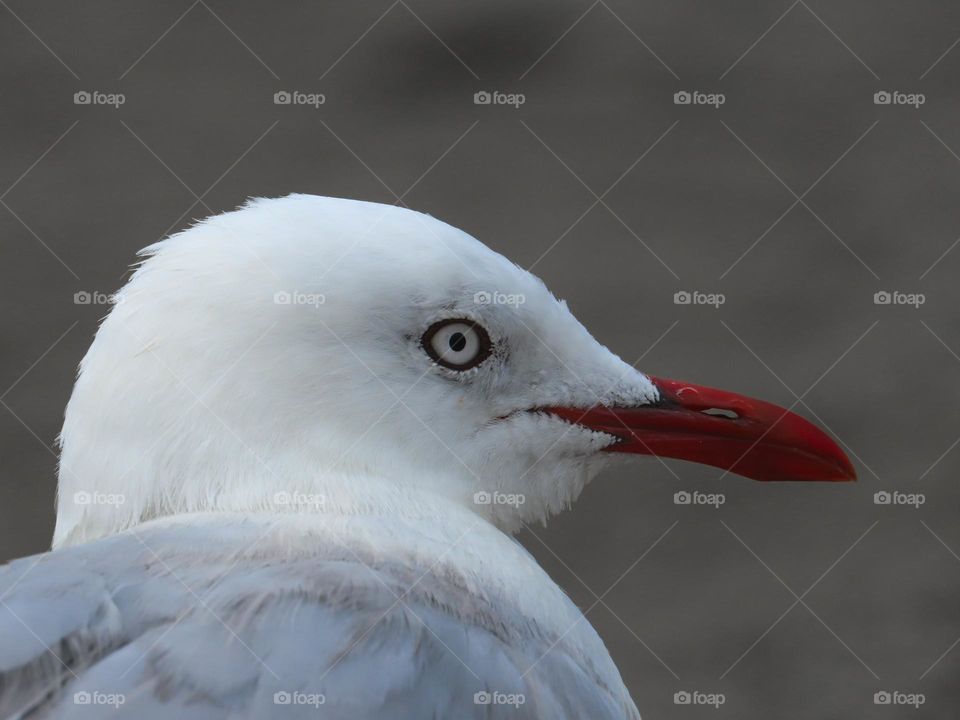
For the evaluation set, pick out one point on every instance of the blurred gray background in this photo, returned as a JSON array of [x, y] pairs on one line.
[[798, 199]]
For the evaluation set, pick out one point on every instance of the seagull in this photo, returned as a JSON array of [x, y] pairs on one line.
[[291, 470]]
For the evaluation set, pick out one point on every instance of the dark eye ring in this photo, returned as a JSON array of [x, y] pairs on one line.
[[457, 343]]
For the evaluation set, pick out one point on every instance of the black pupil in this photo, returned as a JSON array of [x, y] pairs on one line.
[[458, 342]]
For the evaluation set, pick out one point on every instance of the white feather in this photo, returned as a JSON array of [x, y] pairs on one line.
[[289, 469]]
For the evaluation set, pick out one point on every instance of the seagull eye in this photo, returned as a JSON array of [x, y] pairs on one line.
[[457, 344]]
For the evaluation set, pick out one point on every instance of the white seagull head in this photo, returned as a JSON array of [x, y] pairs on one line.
[[313, 354]]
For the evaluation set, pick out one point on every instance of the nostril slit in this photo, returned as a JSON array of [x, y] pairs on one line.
[[721, 412]]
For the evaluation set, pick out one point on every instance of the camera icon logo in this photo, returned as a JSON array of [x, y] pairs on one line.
[[483, 298], [82, 98], [282, 698], [81, 497], [882, 97], [482, 698], [81, 698], [882, 498], [682, 98], [882, 698], [682, 498], [482, 98], [482, 498], [682, 298], [882, 297], [282, 98], [681, 698]]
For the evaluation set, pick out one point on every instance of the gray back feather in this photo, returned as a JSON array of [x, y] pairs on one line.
[[158, 623]]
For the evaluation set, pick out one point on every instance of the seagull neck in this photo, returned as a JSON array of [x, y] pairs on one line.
[[350, 492]]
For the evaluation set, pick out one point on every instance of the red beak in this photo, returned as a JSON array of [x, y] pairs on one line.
[[733, 432]]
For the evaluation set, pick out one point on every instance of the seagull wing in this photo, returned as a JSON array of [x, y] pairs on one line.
[[159, 623]]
